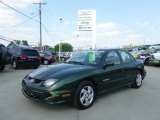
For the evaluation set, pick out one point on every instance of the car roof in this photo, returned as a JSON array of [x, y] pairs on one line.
[[25, 47]]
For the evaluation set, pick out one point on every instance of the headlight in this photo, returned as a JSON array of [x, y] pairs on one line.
[[49, 82]]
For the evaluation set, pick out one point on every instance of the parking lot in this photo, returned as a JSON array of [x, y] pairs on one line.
[[121, 104]]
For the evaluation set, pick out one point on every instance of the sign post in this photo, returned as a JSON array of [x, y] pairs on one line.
[[87, 22]]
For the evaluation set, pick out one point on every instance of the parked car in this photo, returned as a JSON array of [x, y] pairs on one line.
[[135, 54], [24, 56], [83, 77], [154, 58], [5, 57], [47, 58], [143, 55], [63, 56]]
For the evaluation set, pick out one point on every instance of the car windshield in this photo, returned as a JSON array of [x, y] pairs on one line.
[[86, 57]]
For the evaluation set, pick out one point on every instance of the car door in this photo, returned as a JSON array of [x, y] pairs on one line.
[[112, 71], [129, 66]]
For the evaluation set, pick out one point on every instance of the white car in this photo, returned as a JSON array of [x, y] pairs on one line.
[[155, 58]]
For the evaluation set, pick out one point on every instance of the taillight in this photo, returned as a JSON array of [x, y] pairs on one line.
[[23, 57]]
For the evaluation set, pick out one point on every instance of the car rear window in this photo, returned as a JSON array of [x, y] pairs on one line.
[[30, 52]]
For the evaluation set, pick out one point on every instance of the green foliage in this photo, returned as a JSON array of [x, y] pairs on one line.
[[25, 42], [48, 48], [65, 47], [17, 42]]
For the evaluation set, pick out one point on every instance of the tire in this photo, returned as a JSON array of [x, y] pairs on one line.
[[85, 95], [45, 62], [138, 81], [4, 58], [147, 62], [2, 66], [15, 64], [63, 59]]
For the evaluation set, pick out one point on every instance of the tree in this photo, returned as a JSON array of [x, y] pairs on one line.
[[47, 48], [25, 42], [17, 42], [65, 47]]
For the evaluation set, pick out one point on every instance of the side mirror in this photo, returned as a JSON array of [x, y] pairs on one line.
[[107, 64]]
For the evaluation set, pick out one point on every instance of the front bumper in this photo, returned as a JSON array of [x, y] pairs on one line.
[[45, 95], [154, 62]]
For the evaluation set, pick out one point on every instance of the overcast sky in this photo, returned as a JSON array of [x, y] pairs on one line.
[[119, 22]]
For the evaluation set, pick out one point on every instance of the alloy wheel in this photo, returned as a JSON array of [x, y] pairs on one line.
[[86, 95], [14, 65], [139, 80], [46, 62]]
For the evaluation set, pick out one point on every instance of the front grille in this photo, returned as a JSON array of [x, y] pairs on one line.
[[32, 94]]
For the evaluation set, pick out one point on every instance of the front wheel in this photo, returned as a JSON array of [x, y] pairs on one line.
[[138, 81], [85, 95]]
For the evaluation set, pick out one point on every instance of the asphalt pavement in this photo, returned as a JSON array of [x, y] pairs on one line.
[[120, 104]]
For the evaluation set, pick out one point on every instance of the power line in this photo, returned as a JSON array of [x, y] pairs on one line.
[[18, 11], [20, 23], [5, 39], [26, 16]]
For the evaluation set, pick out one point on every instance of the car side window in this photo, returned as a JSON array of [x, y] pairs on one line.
[[126, 58], [113, 56]]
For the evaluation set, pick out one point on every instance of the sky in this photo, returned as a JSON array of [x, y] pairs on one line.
[[118, 22]]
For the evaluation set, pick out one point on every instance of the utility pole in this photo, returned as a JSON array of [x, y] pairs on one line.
[[60, 46], [40, 21]]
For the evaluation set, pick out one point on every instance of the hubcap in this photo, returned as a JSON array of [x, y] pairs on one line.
[[86, 95], [139, 80], [14, 64], [45, 62]]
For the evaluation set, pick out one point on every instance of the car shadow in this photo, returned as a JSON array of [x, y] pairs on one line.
[[67, 106], [58, 107], [112, 92]]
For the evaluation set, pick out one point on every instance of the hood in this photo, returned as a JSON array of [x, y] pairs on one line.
[[59, 71]]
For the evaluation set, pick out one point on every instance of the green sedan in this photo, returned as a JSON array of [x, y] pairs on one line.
[[83, 77]]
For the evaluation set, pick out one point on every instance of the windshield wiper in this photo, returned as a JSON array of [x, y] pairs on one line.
[[76, 62]]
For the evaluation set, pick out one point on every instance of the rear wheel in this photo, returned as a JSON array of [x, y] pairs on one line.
[[15, 65], [2, 66], [85, 95], [138, 81], [45, 62], [63, 59]]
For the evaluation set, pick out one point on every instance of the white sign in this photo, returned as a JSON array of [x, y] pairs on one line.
[[86, 20]]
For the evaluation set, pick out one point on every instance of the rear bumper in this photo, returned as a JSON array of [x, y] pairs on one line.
[[28, 64]]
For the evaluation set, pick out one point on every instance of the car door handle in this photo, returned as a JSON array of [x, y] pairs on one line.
[[105, 80]]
